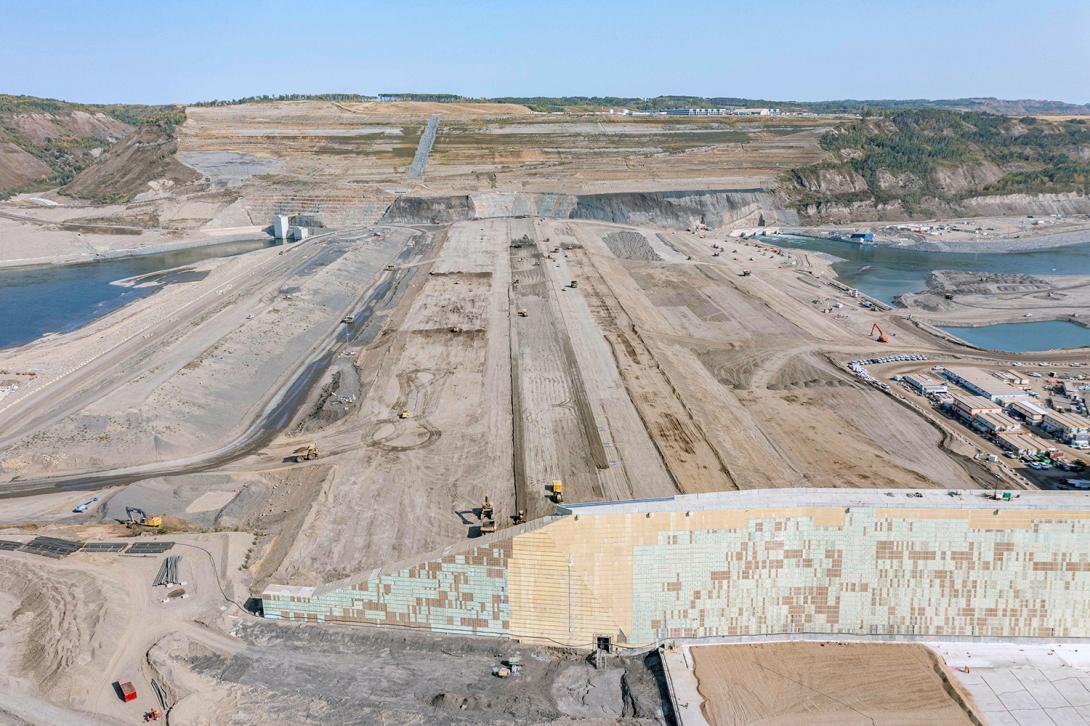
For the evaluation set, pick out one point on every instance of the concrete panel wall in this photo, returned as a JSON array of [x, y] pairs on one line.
[[454, 593], [644, 576]]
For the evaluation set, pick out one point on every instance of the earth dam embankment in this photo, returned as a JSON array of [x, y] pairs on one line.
[[675, 209]]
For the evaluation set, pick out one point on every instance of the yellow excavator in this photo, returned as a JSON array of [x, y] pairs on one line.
[[139, 518]]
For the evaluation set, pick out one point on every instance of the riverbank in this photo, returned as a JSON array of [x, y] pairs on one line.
[[217, 237], [43, 299], [997, 235], [1009, 312]]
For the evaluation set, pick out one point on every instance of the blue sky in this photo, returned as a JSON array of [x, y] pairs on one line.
[[168, 51]]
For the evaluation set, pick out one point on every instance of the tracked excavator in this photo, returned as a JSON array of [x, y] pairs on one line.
[[139, 518], [882, 337]]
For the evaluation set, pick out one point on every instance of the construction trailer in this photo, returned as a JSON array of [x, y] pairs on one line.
[[984, 383], [1028, 410], [995, 423], [1023, 444], [1065, 426], [969, 407], [925, 385]]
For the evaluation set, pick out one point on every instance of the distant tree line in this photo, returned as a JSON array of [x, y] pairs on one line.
[[266, 98]]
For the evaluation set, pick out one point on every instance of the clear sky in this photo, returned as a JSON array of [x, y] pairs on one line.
[[171, 51]]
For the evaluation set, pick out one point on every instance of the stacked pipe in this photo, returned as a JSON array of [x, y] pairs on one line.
[[168, 572]]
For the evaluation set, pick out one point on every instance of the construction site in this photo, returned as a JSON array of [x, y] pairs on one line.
[[523, 418]]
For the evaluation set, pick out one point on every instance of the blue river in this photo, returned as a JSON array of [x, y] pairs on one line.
[[885, 272], [35, 301]]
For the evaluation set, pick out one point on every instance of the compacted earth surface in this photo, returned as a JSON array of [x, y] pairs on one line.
[[545, 298]]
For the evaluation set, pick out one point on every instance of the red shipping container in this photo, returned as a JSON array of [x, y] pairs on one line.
[[128, 693]]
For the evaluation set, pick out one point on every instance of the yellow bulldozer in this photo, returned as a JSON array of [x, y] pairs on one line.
[[558, 491]]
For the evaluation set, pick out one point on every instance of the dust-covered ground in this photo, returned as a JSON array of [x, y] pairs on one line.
[[827, 683], [323, 674], [73, 627]]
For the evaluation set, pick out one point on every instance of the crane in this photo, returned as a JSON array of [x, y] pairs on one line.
[[882, 337]]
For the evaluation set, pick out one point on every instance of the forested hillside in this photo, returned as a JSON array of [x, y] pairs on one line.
[[916, 161], [45, 143]]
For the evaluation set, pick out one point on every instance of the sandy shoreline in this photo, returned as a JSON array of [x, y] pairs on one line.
[[153, 249], [1025, 242]]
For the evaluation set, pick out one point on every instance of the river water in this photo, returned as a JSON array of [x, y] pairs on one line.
[[1023, 337], [886, 272], [35, 301]]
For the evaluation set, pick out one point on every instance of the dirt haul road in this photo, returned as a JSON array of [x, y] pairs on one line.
[[732, 375], [445, 361], [191, 385], [662, 370], [648, 377]]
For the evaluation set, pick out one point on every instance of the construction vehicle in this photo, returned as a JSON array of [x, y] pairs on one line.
[[520, 516], [487, 510], [456, 328], [309, 452], [523, 313], [153, 715], [515, 281], [389, 268], [139, 518], [349, 319], [83, 507], [746, 273], [882, 337], [574, 284], [488, 526], [404, 413], [557, 489]]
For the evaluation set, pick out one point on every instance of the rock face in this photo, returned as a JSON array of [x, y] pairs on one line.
[[39, 147], [126, 169], [429, 210], [677, 209], [932, 163]]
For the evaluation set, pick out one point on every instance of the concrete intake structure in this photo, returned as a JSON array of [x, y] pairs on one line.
[[759, 562]]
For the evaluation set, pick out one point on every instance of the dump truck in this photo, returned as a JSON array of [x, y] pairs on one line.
[[309, 452], [557, 489], [404, 413]]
